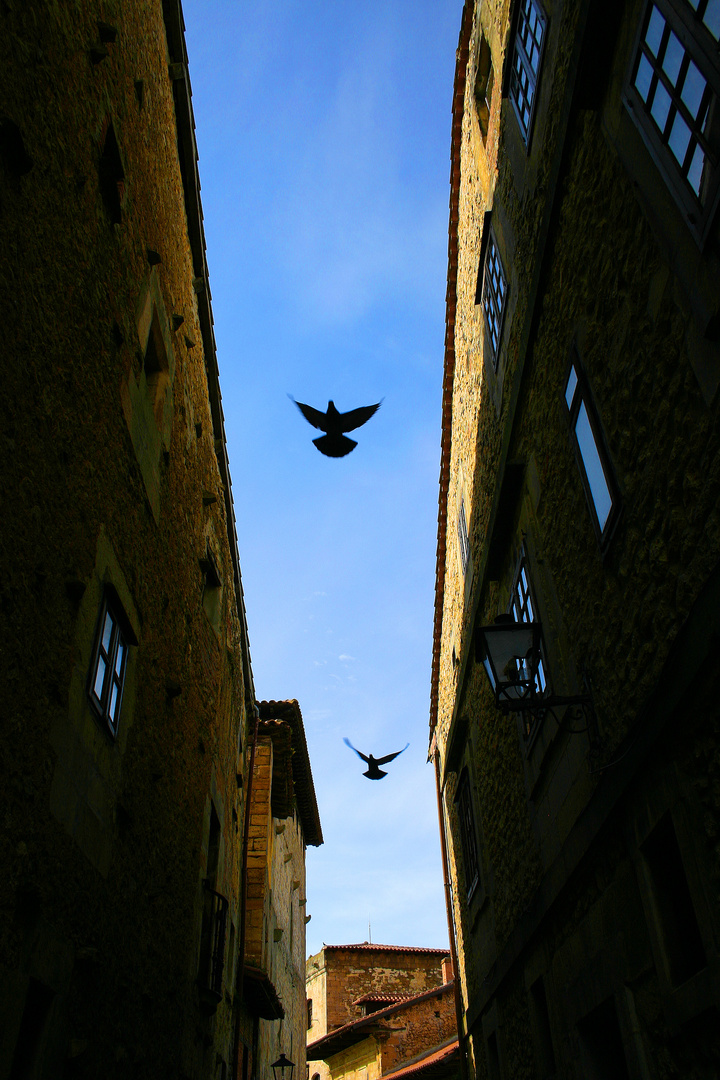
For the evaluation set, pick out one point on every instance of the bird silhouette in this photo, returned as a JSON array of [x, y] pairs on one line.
[[374, 772], [334, 443]]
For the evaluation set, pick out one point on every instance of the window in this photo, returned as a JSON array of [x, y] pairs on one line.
[[494, 295], [542, 1030], [484, 81], [672, 92], [673, 909], [155, 366], [463, 537], [309, 1013], [493, 1057], [593, 460], [601, 1044], [467, 835], [112, 177], [527, 57], [522, 609], [107, 671], [212, 589]]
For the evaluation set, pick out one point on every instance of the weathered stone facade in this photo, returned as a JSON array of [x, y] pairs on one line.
[[127, 706], [376, 1010], [582, 845]]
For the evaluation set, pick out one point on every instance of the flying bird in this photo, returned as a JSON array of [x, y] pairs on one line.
[[374, 772], [334, 443]]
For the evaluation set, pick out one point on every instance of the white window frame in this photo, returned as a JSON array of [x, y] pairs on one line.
[[674, 49]]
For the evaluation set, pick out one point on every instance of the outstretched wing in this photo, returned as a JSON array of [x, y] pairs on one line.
[[389, 757], [313, 416], [356, 417], [348, 743]]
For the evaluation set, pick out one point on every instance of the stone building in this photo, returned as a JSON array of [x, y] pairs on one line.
[[579, 506], [127, 704], [284, 819], [380, 1011]]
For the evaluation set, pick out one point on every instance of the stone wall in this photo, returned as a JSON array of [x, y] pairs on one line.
[[111, 479], [562, 938]]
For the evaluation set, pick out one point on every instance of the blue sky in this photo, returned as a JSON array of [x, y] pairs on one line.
[[323, 131]]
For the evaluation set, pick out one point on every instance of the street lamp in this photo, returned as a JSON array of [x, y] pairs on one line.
[[510, 653], [283, 1068]]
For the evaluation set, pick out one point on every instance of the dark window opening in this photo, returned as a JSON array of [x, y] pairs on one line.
[[679, 931], [13, 154], [525, 69], [109, 664], [214, 924], [493, 1057], [601, 1044], [463, 538], [212, 589], [309, 1013], [112, 177], [155, 366], [468, 835], [484, 82], [543, 1033], [33, 1026]]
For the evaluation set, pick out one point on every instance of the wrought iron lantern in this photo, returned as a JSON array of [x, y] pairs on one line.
[[510, 653], [283, 1068]]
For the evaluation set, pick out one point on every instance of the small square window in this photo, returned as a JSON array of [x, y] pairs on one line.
[[494, 296], [526, 61], [594, 463], [672, 90], [107, 671]]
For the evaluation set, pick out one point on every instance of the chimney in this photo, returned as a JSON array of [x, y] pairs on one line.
[[447, 972]]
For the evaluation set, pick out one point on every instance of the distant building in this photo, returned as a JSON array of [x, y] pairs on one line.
[[284, 820], [380, 1010], [579, 504], [127, 704]]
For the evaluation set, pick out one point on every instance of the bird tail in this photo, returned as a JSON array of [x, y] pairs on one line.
[[377, 775], [334, 445]]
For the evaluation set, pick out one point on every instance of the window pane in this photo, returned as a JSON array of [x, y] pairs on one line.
[[644, 77], [679, 138], [99, 677], [660, 106], [570, 388], [113, 702], [593, 467], [672, 60], [107, 632], [654, 32], [693, 90], [119, 657], [540, 680], [696, 172], [711, 18]]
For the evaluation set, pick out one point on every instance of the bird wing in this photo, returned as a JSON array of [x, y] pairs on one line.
[[348, 743], [357, 417], [313, 416], [389, 757]]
